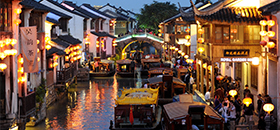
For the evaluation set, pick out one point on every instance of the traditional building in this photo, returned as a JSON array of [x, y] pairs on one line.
[[180, 31], [271, 11], [125, 19], [230, 39]]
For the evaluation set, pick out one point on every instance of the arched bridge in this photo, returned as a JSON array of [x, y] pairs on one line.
[[125, 41]]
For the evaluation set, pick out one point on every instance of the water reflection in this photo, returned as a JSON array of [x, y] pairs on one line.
[[87, 105]]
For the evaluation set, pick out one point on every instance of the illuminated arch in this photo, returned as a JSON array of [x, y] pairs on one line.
[[123, 50]]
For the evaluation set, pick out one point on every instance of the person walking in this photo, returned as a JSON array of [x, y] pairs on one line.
[[248, 112], [191, 83], [207, 95], [237, 104], [260, 104], [269, 122]]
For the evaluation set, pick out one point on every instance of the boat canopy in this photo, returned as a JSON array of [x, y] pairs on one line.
[[138, 96], [126, 61]]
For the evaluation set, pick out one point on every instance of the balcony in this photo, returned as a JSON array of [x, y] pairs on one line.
[[63, 76], [28, 106]]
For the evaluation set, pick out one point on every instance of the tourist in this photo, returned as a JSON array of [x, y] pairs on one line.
[[237, 104], [246, 90], [248, 112], [223, 110], [269, 122], [96, 66], [261, 122], [217, 102], [207, 95], [191, 83], [260, 104]]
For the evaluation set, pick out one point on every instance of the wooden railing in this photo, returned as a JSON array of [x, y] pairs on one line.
[[62, 76], [28, 105]]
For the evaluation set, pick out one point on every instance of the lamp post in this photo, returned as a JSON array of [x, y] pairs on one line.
[[265, 43]]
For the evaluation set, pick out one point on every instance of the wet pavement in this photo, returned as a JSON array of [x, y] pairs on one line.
[[88, 105]]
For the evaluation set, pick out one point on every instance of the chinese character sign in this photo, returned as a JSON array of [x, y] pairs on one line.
[[29, 48]]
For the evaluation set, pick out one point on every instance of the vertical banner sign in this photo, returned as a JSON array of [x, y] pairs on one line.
[[29, 48]]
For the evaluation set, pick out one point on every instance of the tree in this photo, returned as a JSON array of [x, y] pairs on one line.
[[151, 15]]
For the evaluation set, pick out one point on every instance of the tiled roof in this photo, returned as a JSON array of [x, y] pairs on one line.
[[55, 50], [69, 39], [234, 15], [270, 8], [60, 42], [35, 5], [62, 15], [61, 6], [102, 34], [95, 10], [80, 10], [52, 20]]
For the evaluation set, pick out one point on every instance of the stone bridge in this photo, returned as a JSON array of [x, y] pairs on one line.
[[124, 41]]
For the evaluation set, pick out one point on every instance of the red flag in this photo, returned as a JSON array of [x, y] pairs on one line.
[[131, 115]]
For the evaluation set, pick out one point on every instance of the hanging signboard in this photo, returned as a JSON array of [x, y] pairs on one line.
[[244, 52], [29, 48]]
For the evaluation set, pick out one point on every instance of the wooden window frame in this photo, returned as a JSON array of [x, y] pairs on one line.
[[5, 16], [223, 40]]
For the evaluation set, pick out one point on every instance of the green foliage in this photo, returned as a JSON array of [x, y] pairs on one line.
[[151, 15], [41, 92]]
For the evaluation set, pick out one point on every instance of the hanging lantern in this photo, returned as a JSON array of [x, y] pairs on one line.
[[263, 23], [186, 57], [8, 41], [200, 31], [270, 34], [13, 42], [209, 67], [20, 70], [47, 39], [159, 34], [38, 59], [263, 43], [183, 53], [268, 107], [66, 58], [17, 11], [247, 101], [204, 65], [48, 47], [13, 52], [176, 49], [55, 64], [2, 55], [20, 60], [179, 51], [38, 41], [159, 31], [2, 44], [200, 49], [219, 77], [187, 37], [191, 61], [17, 21], [263, 33], [187, 43], [270, 23], [232, 92], [3, 66], [38, 50], [200, 40], [187, 30], [270, 44]]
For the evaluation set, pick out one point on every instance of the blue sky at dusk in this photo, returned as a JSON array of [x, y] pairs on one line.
[[133, 5]]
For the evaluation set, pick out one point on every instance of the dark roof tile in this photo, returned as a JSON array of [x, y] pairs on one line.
[[95, 10], [53, 21], [69, 39], [60, 42], [102, 34], [55, 50], [36, 5]]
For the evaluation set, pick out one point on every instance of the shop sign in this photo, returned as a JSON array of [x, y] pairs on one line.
[[236, 59], [244, 52]]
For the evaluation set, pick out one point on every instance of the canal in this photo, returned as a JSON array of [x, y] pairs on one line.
[[88, 105]]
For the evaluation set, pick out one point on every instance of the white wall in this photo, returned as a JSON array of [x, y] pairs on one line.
[[193, 40], [75, 23]]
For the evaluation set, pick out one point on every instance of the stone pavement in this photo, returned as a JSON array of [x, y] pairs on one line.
[[242, 121]]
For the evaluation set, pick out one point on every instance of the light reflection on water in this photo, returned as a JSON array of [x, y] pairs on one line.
[[87, 105]]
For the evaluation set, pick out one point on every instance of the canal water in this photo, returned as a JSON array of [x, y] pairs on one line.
[[88, 105]]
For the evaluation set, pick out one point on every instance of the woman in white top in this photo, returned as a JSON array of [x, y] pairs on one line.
[[224, 110], [232, 112]]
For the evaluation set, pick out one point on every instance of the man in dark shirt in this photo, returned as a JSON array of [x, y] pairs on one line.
[[260, 103], [248, 112], [246, 90]]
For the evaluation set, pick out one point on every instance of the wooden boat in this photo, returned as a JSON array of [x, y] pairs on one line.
[[137, 108], [160, 71], [151, 63], [124, 68], [184, 114], [106, 68]]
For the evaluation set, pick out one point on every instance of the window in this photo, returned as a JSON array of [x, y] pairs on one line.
[[63, 24], [251, 34], [206, 34], [36, 20], [254, 76], [236, 34], [5, 15], [222, 34], [101, 24], [92, 24]]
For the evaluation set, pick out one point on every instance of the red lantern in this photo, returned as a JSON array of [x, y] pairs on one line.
[[263, 43]]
